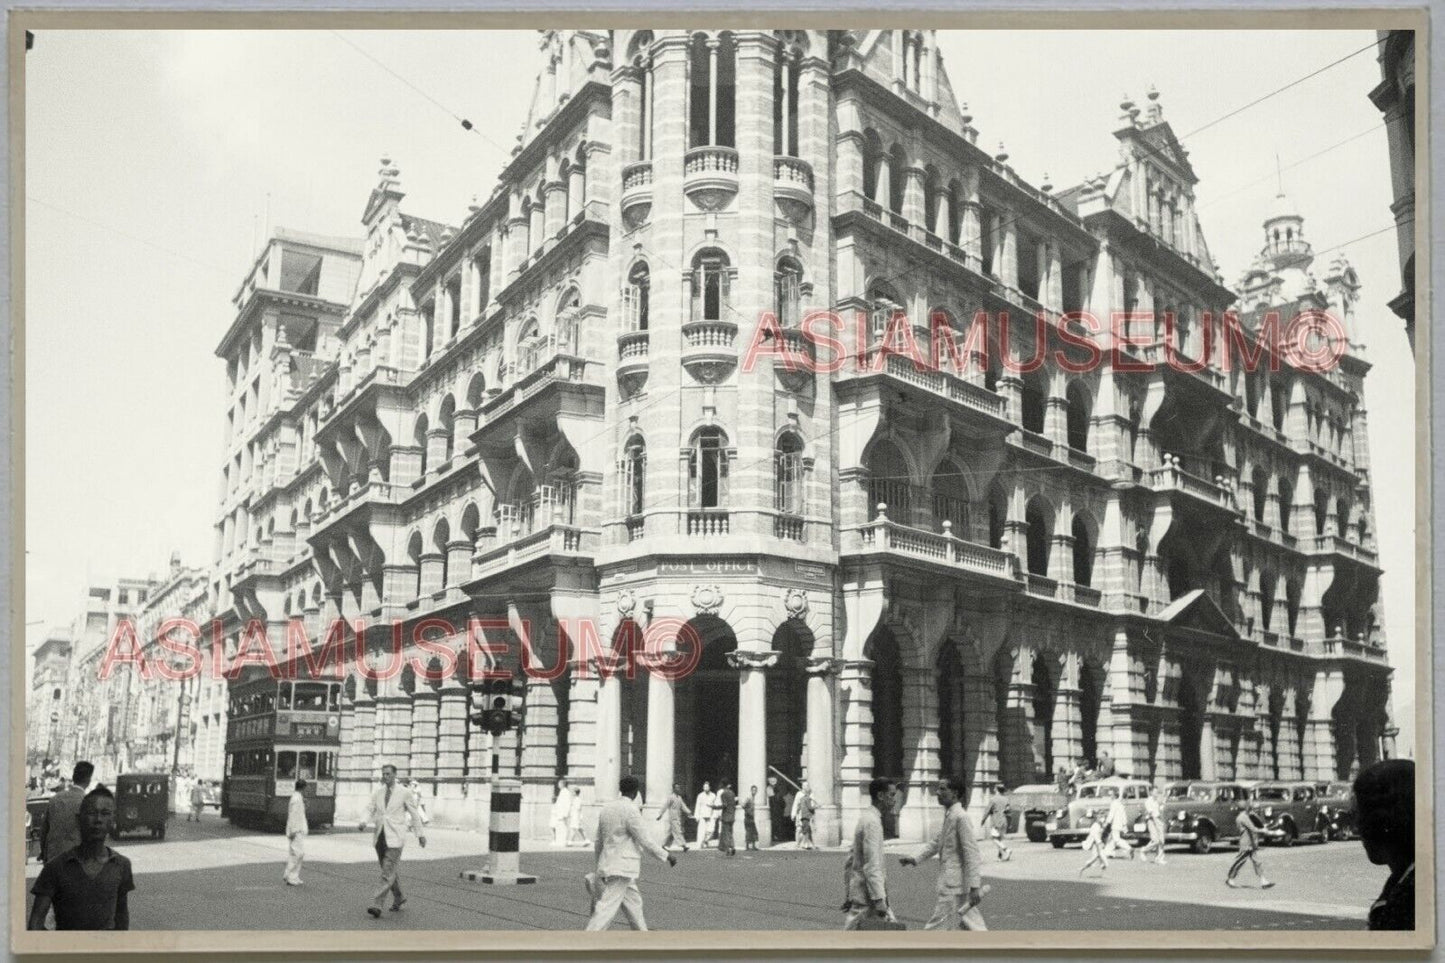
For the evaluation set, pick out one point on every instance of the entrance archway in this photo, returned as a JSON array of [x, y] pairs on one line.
[[950, 711], [887, 688], [1091, 696], [1045, 695], [1191, 726], [787, 722], [633, 681], [706, 733]]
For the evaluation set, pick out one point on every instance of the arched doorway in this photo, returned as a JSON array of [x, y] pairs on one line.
[[787, 719], [1045, 695], [949, 669], [1091, 696], [632, 678], [1191, 725], [887, 688], [706, 732]]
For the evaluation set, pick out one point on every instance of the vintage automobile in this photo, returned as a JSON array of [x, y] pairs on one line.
[[1070, 824], [142, 801], [1030, 807], [35, 807], [1199, 813], [1290, 811], [1337, 804], [211, 794]]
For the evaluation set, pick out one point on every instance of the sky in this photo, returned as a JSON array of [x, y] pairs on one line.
[[156, 160]]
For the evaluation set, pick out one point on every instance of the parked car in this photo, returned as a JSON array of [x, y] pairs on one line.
[[211, 793], [1337, 804], [35, 807], [1290, 811], [143, 801], [1070, 823], [1030, 808], [1199, 813]]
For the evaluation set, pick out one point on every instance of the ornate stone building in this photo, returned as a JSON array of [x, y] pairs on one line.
[[545, 416], [1395, 97]]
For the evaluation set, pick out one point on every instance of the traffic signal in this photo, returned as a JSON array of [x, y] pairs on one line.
[[496, 704]]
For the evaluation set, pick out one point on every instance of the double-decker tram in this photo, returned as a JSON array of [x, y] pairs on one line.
[[278, 731]]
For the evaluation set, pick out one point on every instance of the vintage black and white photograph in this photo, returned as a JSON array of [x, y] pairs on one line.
[[524, 479]]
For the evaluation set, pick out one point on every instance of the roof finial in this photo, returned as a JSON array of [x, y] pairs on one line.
[[1156, 111]]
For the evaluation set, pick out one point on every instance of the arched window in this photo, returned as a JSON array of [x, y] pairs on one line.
[[1033, 402], [413, 551], [788, 292], [1322, 511], [792, 44], [446, 419], [872, 162], [440, 536], [707, 474], [1039, 519], [1083, 552], [1079, 412], [883, 304], [709, 286], [712, 84], [1261, 492], [428, 321], [419, 439], [897, 163], [788, 474], [1286, 505], [932, 190], [889, 482], [634, 297], [1141, 562], [1266, 599], [633, 475], [453, 289], [1279, 396], [997, 516], [950, 498], [476, 391]]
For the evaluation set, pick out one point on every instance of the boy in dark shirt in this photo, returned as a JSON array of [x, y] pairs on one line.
[[88, 886]]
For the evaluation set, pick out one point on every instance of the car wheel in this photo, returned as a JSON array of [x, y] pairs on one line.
[[1291, 835], [161, 833], [1057, 843], [1204, 842]]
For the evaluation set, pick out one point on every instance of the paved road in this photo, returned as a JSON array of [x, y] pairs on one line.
[[214, 877]]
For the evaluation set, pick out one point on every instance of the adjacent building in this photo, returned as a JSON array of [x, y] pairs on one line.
[[1395, 97], [546, 415]]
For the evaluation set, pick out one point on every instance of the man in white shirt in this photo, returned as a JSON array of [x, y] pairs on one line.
[[621, 838], [561, 813], [1118, 825], [296, 833], [391, 806], [704, 810], [957, 849], [864, 871]]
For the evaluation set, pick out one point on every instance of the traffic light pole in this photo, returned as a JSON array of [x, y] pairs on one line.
[[504, 820]]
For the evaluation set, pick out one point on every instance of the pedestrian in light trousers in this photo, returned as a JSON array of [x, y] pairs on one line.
[[957, 850], [296, 832], [391, 807], [864, 875], [621, 838]]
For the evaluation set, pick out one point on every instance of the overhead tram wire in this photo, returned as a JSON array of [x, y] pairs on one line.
[[466, 124]]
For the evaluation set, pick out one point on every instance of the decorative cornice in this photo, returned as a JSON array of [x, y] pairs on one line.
[[753, 659]]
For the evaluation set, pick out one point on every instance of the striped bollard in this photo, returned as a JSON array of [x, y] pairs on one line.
[[504, 837]]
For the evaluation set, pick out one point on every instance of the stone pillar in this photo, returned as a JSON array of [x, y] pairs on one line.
[[855, 681], [970, 230], [1068, 725], [576, 191], [913, 199], [921, 815], [559, 209], [433, 573], [660, 737], [458, 562], [752, 725], [351, 801], [883, 187], [425, 703], [822, 673], [850, 162], [451, 755], [393, 723]]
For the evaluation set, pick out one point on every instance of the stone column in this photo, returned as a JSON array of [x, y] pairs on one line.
[[752, 724], [425, 703], [559, 209], [855, 681], [393, 717], [660, 737], [920, 816], [458, 562], [712, 51], [822, 673], [363, 742], [1068, 723], [970, 230], [433, 573], [451, 755]]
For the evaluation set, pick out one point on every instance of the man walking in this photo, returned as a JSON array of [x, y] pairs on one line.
[[561, 813], [296, 832], [621, 838], [803, 808], [61, 829], [198, 801], [391, 807], [996, 819], [727, 803], [703, 808], [1154, 822], [864, 871], [1250, 826], [1118, 826], [776, 812], [957, 849], [750, 819], [671, 815], [89, 884]]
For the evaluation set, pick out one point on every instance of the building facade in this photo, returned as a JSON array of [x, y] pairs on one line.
[[47, 703], [567, 418], [1395, 98]]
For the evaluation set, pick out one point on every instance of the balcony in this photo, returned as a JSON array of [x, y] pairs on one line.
[[632, 360], [709, 348], [637, 192], [1163, 358], [540, 364], [707, 522], [947, 552], [554, 541], [1172, 476], [710, 176], [793, 186], [895, 370], [788, 527], [1335, 545]]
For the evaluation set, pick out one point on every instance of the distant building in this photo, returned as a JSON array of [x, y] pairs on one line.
[[1395, 97], [47, 705]]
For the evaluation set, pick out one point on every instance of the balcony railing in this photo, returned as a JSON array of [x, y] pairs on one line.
[[633, 346], [885, 535], [1041, 586], [1324, 544], [793, 182], [788, 527], [637, 191], [941, 383], [1172, 476], [710, 175], [707, 522]]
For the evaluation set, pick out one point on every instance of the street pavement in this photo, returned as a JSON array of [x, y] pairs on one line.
[[211, 876]]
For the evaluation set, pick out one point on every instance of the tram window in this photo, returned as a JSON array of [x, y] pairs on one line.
[[283, 697], [268, 702], [308, 766], [310, 697], [325, 763], [286, 765], [335, 697]]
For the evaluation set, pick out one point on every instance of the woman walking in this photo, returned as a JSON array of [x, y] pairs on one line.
[[750, 821]]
